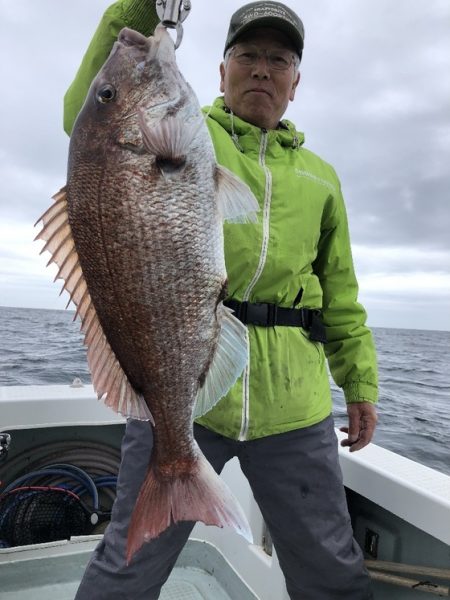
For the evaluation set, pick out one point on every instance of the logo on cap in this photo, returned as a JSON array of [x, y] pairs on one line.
[[267, 11]]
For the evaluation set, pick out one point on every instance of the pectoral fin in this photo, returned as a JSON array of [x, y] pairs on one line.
[[170, 138], [110, 382]]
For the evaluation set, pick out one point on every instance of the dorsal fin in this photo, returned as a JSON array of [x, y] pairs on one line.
[[110, 381]]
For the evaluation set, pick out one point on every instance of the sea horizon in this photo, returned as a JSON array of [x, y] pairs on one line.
[[68, 310]]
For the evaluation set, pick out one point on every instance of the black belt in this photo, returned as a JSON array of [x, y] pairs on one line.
[[269, 315]]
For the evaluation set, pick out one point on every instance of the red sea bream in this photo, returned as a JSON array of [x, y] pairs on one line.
[[137, 236]]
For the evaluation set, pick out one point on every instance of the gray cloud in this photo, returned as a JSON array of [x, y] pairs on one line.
[[382, 117]]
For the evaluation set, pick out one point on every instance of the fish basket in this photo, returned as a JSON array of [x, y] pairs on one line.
[[35, 515]]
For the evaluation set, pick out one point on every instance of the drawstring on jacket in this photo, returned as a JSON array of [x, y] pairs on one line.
[[234, 135]]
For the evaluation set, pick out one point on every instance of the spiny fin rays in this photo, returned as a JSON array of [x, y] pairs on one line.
[[112, 386]]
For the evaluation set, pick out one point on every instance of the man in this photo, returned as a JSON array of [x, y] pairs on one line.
[[277, 418]]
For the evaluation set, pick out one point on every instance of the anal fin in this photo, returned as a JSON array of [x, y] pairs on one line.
[[228, 362]]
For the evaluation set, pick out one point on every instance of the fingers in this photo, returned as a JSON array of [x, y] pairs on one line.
[[362, 422], [355, 425], [365, 436]]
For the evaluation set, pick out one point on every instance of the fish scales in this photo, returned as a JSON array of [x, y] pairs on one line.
[[142, 213], [177, 247]]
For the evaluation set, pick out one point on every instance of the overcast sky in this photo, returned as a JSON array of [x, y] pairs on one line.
[[374, 101]]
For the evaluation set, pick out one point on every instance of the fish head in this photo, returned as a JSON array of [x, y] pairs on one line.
[[140, 81]]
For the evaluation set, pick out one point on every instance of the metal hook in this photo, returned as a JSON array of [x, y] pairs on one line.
[[172, 13], [179, 30]]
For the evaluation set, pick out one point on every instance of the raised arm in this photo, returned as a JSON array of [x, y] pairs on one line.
[[135, 14]]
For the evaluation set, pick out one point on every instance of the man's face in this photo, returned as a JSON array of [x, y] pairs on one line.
[[258, 93]]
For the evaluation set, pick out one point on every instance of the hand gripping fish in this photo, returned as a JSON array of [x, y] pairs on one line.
[[137, 234]]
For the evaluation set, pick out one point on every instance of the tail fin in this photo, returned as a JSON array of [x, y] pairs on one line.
[[201, 496]]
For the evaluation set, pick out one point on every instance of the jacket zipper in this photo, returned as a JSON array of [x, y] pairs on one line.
[[262, 261]]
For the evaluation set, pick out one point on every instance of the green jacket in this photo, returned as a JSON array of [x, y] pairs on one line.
[[300, 242]]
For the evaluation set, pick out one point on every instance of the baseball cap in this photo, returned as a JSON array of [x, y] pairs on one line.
[[266, 14]]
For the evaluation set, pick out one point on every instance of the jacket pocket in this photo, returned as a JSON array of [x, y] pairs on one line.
[[317, 345]]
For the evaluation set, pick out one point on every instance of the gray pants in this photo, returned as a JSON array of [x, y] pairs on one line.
[[297, 483]]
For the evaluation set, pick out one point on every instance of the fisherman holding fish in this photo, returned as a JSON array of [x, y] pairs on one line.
[[286, 305]]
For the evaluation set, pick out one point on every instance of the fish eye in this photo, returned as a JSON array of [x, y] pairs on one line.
[[106, 94]]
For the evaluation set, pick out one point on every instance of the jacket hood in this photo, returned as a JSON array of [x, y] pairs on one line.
[[286, 134]]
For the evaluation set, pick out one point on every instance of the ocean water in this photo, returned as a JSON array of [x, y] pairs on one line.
[[41, 347]]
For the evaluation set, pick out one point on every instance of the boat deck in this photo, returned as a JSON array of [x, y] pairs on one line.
[[192, 584], [184, 584], [55, 570]]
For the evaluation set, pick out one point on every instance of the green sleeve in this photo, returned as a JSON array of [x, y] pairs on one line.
[[135, 14], [350, 349]]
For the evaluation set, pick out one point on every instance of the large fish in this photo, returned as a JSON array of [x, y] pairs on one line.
[[137, 235]]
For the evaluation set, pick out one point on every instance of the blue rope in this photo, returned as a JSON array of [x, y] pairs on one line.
[[89, 481], [100, 482], [72, 473]]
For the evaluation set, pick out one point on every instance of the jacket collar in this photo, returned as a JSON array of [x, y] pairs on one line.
[[286, 133]]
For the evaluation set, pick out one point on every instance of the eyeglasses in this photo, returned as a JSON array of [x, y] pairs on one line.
[[277, 59]]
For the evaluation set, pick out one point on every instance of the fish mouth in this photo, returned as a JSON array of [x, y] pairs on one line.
[[154, 56], [157, 53], [162, 46], [162, 49]]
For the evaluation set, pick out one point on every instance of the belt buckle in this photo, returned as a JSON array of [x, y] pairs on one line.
[[258, 313]]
